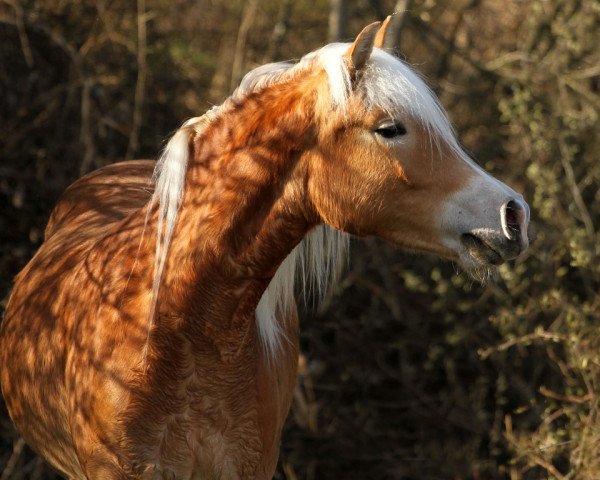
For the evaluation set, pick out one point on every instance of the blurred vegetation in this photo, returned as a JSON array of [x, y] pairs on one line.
[[410, 370]]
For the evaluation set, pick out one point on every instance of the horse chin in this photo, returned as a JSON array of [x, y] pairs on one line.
[[483, 273], [478, 267]]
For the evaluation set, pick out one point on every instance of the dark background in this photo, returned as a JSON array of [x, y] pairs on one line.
[[410, 370]]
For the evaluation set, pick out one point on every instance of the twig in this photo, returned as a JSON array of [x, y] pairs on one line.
[[240, 44], [547, 466], [140, 84], [86, 130], [14, 458], [577, 198], [55, 37], [279, 31], [509, 436], [338, 20], [23, 38], [484, 353], [289, 472], [566, 398], [444, 64], [428, 33]]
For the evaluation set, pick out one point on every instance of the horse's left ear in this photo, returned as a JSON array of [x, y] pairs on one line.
[[360, 50], [387, 36]]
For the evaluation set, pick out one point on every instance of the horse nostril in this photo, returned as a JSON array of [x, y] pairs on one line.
[[513, 217]]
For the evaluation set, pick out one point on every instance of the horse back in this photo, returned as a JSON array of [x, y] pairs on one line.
[[62, 303], [103, 197]]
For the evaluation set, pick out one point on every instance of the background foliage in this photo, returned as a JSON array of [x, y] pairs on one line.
[[410, 370]]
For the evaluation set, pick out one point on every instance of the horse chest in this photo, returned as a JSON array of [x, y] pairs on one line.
[[200, 426], [190, 448]]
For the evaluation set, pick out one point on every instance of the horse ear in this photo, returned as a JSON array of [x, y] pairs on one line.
[[360, 51], [387, 36]]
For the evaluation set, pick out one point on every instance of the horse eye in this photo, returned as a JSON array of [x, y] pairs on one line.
[[391, 130]]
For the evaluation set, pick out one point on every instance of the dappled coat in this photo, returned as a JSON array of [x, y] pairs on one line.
[[154, 334]]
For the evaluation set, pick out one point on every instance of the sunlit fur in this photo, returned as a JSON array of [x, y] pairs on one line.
[[387, 83], [154, 334]]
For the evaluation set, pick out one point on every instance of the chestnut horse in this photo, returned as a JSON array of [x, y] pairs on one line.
[[155, 334]]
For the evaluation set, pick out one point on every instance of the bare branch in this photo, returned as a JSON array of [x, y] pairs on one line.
[[23, 38], [140, 84], [14, 458], [240, 44], [85, 134], [279, 31], [338, 20]]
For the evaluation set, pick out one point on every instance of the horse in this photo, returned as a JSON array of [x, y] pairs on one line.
[[155, 332]]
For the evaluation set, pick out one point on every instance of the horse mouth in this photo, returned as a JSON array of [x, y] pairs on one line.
[[480, 250]]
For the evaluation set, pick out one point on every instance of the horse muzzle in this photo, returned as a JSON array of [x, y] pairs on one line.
[[494, 246]]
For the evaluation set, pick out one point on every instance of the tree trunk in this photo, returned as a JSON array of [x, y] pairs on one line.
[[338, 20]]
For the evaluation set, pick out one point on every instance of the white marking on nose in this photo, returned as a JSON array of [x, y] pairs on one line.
[[485, 204]]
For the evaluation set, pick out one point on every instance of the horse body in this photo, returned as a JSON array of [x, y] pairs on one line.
[[121, 359]]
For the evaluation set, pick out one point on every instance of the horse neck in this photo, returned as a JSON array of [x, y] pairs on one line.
[[243, 211]]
